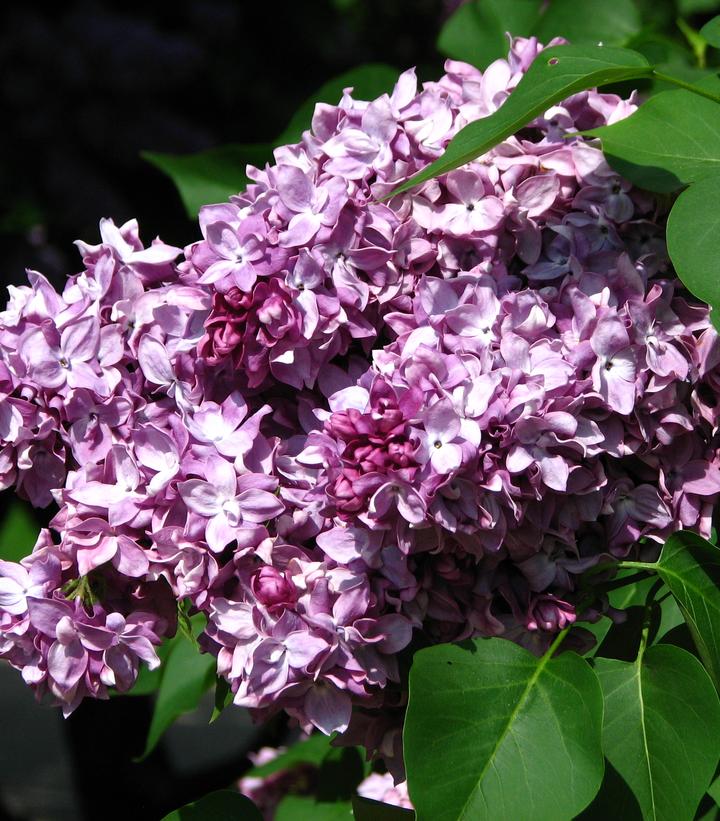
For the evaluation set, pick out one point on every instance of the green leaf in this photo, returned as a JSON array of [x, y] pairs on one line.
[[186, 677], [305, 808], [342, 769], [214, 175], [310, 751], [693, 241], [686, 7], [615, 800], [589, 21], [690, 566], [209, 176], [223, 805], [671, 140], [223, 697], [555, 74], [714, 791], [487, 723], [662, 721], [711, 32], [18, 531], [475, 33], [368, 82], [367, 809]]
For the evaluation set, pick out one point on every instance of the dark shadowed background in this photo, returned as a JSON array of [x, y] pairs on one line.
[[84, 88]]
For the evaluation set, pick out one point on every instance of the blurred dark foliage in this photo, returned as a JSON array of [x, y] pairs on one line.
[[85, 86]]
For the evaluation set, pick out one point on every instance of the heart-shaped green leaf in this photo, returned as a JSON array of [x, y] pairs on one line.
[[493, 732], [690, 566], [671, 140], [661, 729], [555, 74]]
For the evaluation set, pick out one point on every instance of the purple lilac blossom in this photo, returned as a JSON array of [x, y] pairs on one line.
[[334, 423]]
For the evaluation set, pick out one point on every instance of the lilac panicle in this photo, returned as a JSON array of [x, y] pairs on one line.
[[335, 422]]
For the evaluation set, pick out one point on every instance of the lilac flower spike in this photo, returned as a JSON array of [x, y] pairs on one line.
[[335, 425]]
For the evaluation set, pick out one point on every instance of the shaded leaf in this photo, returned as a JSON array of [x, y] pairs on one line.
[[476, 32], [487, 721], [589, 21], [309, 751], [614, 800], [555, 74], [187, 675], [367, 809], [209, 176], [223, 805], [662, 721], [18, 531], [690, 566], [693, 240], [367, 81], [305, 808], [711, 32], [671, 140], [216, 174], [341, 770], [223, 697]]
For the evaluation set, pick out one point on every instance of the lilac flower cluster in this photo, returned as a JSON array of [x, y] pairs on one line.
[[339, 423]]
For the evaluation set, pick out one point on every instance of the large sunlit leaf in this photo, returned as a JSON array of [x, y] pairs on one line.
[[223, 805], [555, 74], [493, 732], [690, 566], [671, 140], [661, 729]]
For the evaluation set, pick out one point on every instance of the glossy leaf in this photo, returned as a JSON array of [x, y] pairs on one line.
[[615, 800], [367, 809], [660, 731], [223, 805], [487, 721], [711, 32], [186, 677], [690, 566], [693, 238], [209, 176], [671, 140], [555, 74], [18, 531], [305, 808]]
